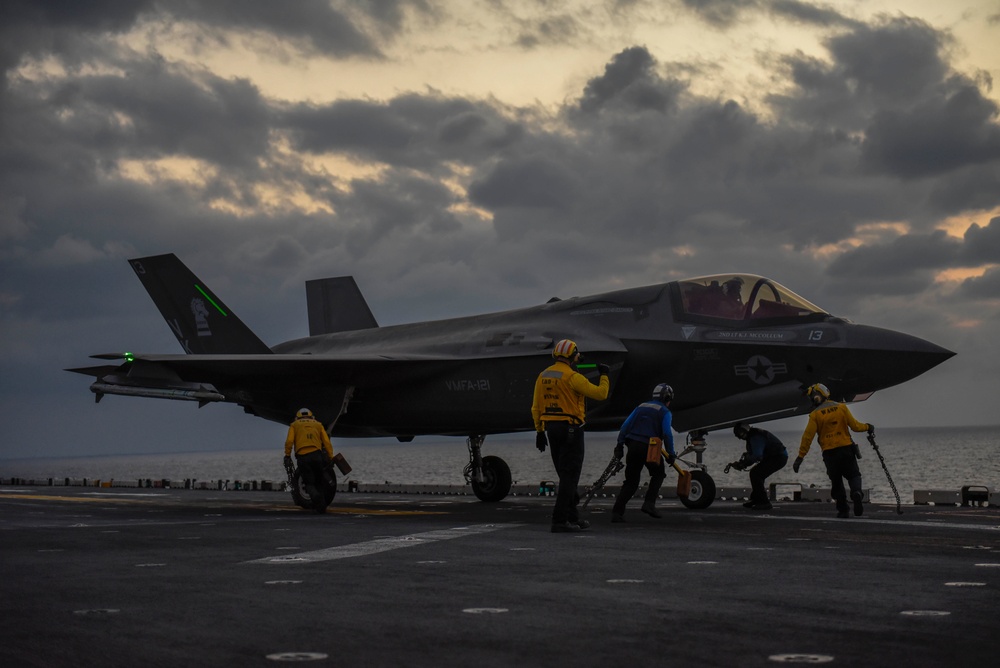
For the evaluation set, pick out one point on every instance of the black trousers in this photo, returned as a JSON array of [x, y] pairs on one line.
[[761, 471], [311, 465], [635, 459], [840, 464], [567, 450]]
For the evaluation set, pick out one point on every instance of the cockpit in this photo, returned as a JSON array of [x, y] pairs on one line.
[[740, 299]]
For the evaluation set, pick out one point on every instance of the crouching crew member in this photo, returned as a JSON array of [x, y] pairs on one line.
[[559, 410], [649, 420], [832, 420], [766, 454], [313, 452]]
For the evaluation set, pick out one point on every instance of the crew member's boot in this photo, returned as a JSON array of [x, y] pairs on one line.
[[857, 497], [651, 510]]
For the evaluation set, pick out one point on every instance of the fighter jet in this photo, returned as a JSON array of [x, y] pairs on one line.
[[735, 347]]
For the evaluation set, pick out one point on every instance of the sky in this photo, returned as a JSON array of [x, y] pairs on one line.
[[469, 156]]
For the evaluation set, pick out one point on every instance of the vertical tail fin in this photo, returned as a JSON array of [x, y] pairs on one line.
[[337, 305], [202, 323]]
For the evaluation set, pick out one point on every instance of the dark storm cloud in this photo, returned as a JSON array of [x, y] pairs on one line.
[[562, 29], [954, 128], [904, 255], [52, 26], [982, 244], [985, 287], [727, 13], [891, 84], [164, 111], [331, 28], [413, 130], [891, 65], [721, 13], [808, 13], [312, 27], [531, 181], [630, 81], [910, 261]]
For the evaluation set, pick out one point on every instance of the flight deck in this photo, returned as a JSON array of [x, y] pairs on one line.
[[165, 577]]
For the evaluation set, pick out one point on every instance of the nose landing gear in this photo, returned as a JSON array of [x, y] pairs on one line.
[[702, 485]]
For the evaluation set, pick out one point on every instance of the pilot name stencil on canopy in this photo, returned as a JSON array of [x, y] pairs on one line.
[[751, 336]]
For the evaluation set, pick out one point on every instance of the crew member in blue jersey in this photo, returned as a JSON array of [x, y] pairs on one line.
[[766, 454], [649, 420]]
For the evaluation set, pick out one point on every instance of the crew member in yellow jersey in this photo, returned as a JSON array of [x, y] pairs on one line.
[[833, 422], [559, 410], [313, 451]]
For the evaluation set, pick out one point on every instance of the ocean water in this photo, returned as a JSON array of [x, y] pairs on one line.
[[916, 458]]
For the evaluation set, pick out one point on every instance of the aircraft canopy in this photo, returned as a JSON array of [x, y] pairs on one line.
[[742, 297]]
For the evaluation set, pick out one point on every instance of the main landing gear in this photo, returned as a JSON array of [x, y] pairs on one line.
[[298, 488], [702, 486], [489, 476]]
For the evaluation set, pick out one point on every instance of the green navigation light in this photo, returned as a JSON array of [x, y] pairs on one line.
[[128, 357], [586, 366], [211, 301]]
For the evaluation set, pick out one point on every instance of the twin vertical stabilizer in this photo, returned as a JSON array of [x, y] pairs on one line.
[[200, 320]]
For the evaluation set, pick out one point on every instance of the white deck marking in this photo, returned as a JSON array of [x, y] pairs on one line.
[[859, 520], [381, 545]]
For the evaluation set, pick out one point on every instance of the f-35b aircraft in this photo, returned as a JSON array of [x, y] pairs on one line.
[[735, 347]]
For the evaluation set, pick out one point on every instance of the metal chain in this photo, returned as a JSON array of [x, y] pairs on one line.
[[881, 459]]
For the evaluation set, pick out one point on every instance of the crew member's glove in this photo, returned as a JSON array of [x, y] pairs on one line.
[[540, 441], [871, 430], [734, 465], [619, 451], [671, 459], [287, 462], [326, 457], [797, 464], [603, 369]]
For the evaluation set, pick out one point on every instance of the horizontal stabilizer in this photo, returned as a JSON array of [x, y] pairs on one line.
[[337, 305]]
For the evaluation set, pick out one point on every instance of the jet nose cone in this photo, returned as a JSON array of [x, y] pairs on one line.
[[893, 357]]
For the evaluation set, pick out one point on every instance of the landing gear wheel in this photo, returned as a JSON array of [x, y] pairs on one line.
[[301, 497], [496, 480], [702, 491]]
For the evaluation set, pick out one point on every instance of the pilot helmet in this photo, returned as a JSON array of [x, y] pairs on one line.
[[818, 393], [565, 348], [304, 412], [741, 430], [733, 286], [663, 392]]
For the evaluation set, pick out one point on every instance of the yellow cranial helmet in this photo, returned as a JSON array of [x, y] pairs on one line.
[[304, 412], [818, 392], [565, 348]]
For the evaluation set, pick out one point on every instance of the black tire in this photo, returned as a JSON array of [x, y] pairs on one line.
[[496, 480], [301, 498], [702, 491]]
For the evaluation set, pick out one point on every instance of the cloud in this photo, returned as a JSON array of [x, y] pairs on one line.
[[982, 244], [445, 203], [985, 287], [631, 82]]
